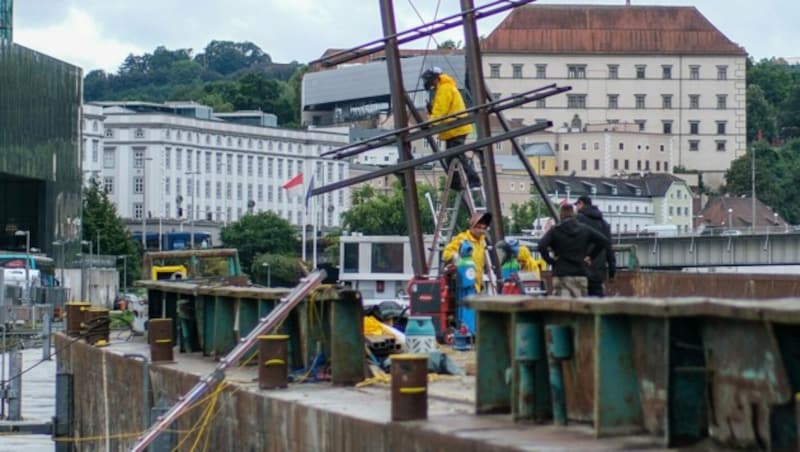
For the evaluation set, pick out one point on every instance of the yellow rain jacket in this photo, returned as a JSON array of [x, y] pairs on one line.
[[528, 264], [447, 101], [478, 253]]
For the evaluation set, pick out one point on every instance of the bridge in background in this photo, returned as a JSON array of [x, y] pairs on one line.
[[708, 251]]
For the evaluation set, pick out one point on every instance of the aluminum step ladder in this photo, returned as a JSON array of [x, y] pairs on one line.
[[474, 199]]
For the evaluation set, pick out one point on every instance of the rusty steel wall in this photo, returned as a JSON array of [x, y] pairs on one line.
[[716, 285], [243, 420]]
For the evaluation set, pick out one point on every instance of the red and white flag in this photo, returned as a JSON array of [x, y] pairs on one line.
[[294, 186]]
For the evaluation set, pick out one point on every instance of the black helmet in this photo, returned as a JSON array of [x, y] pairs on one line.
[[429, 76]]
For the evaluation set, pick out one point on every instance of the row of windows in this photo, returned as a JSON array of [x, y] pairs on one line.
[[610, 71], [626, 165], [596, 146], [639, 101], [239, 142], [293, 216]]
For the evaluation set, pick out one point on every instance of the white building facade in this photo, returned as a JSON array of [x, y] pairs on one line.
[[666, 69], [178, 161]]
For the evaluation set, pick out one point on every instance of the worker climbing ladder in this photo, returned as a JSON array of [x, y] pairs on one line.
[[473, 198]]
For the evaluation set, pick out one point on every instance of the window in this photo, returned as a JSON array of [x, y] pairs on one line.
[[219, 190], [178, 159], [647, 165], [138, 210], [260, 192], [166, 185], [576, 71], [721, 145], [584, 146], [640, 100], [658, 165], [694, 72], [494, 71], [694, 127], [239, 191], [641, 123], [596, 145], [666, 72], [239, 164], [638, 165], [722, 72], [178, 186], [219, 163], [95, 150], [694, 101], [138, 184], [666, 101], [229, 190], [667, 127], [208, 163], [229, 164], [249, 165], [260, 166], [721, 127], [722, 102], [597, 164], [138, 158], [208, 189], [640, 71], [516, 70], [566, 146], [626, 165], [694, 145], [576, 100], [540, 103], [189, 155], [108, 157], [621, 146], [108, 185], [269, 166], [138, 133], [613, 101], [109, 133], [583, 165], [541, 71], [613, 71], [566, 165], [616, 164]]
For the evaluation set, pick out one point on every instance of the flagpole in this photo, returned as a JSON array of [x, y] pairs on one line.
[[314, 206], [303, 224]]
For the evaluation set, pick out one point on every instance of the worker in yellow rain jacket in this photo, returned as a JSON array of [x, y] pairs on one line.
[[528, 264], [447, 100], [476, 235]]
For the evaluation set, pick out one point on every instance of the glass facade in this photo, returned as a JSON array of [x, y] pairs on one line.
[[40, 136]]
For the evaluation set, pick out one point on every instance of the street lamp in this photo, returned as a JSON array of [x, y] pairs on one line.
[[775, 219], [730, 216], [192, 208], [27, 235], [269, 275]]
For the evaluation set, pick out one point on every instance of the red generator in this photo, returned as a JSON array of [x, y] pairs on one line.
[[432, 297]]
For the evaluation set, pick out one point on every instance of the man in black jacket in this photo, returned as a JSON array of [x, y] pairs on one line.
[[604, 267], [571, 242]]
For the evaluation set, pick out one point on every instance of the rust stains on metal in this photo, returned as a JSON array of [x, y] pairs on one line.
[[609, 29]]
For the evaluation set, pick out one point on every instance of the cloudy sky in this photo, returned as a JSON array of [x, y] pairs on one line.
[[98, 34]]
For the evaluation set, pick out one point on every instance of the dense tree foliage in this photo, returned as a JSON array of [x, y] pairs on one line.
[[255, 234], [376, 213], [777, 177], [773, 100], [226, 75], [277, 270], [523, 215], [101, 222]]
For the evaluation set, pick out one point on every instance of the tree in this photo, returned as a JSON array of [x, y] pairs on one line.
[[374, 213], [227, 57], [279, 270], [523, 215], [760, 115], [790, 114], [450, 44], [101, 221], [263, 232]]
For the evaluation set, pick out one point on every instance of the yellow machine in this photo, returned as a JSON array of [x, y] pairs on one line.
[[171, 272]]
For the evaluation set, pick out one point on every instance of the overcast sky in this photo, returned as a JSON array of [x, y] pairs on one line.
[[99, 34]]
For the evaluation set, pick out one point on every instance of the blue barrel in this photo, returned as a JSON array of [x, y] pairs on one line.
[[420, 335]]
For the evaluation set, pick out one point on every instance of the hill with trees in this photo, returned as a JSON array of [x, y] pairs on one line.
[[226, 75]]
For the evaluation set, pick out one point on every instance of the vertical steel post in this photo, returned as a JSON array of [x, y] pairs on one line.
[[15, 386], [403, 146], [528, 352], [46, 336], [478, 90], [62, 421]]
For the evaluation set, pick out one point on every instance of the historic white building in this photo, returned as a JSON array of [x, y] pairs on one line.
[[667, 69], [179, 160]]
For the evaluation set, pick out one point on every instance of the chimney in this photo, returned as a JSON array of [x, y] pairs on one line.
[[7, 19]]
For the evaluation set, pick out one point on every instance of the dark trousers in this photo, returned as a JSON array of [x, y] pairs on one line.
[[595, 289], [472, 175]]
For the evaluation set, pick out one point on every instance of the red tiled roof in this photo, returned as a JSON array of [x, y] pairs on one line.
[[609, 29]]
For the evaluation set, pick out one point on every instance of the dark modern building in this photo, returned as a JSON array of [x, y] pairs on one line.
[[40, 164]]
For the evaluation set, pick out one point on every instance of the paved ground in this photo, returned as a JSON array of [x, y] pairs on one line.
[[38, 402]]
